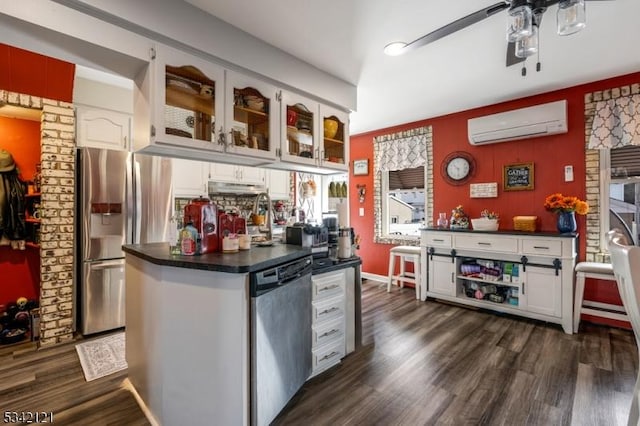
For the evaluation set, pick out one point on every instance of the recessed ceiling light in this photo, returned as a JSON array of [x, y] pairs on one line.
[[396, 48]]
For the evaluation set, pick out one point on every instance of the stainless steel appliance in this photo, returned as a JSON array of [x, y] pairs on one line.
[[280, 336], [122, 198]]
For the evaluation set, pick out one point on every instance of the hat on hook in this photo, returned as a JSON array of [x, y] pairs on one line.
[[6, 161]]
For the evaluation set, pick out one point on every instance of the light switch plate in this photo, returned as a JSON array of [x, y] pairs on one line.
[[361, 211], [568, 173]]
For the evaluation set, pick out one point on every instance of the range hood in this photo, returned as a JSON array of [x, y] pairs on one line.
[[215, 187]]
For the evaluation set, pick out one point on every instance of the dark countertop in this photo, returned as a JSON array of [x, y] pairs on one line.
[[244, 261], [334, 265], [505, 232]]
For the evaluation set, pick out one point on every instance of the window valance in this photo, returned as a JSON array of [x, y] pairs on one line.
[[616, 123], [401, 150]]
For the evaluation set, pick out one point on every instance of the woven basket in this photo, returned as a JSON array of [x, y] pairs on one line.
[[525, 223]]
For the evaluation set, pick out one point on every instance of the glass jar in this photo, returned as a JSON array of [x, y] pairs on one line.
[[442, 220]]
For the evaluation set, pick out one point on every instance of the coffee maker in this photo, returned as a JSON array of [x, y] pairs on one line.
[[330, 221], [204, 218]]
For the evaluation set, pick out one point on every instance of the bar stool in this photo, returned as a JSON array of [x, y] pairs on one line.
[[600, 271], [405, 254]]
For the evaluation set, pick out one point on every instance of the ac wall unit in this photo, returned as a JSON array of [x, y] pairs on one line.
[[530, 122]]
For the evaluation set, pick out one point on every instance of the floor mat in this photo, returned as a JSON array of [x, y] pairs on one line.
[[103, 356]]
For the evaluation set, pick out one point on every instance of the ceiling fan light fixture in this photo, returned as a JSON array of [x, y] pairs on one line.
[[395, 48], [571, 16], [519, 22], [527, 46]]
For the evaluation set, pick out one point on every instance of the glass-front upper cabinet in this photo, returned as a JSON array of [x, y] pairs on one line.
[[251, 117], [335, 138], [189, 97], [300, 130]]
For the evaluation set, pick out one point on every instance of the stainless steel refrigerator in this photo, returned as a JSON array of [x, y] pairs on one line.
[[123, 198]]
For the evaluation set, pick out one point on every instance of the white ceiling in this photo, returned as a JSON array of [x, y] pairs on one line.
[[462, 71]]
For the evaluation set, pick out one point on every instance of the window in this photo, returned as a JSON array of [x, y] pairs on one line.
[[620, 191], [404, 203], [402, 198]]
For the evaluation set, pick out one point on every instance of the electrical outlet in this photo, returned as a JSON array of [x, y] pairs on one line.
[[568, 173]]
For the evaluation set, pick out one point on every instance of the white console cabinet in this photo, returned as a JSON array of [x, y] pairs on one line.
[[530, 275]]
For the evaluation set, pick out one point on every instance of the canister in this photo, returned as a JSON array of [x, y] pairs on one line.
[[344, 243]]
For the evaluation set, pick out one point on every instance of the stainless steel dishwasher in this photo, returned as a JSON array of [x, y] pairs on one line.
[[280, 336]]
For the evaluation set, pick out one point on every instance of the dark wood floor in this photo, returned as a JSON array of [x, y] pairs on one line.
[[433, 363], [421, 363]]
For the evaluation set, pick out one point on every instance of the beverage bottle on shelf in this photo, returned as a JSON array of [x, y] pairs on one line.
[[175, 229], [189, 239]]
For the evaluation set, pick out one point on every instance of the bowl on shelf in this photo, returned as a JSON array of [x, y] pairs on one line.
[[484, 224], [330, 128]]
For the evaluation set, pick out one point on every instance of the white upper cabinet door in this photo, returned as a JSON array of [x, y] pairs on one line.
[[279, 184], [189, 178], [300, 134], [220, 172], [252, 117], [187, 101], [101, 128], [334, 128]]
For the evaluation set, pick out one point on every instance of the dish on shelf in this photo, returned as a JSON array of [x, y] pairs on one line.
[[266, 243], [181, 85]]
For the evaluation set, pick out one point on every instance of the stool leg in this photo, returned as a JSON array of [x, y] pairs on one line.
[[416, 275], [392, 261], [402, 271], [577, 308]]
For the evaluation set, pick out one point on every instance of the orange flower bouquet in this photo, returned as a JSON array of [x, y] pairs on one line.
[[559, 203]]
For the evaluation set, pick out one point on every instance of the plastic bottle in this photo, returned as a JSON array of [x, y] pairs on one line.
[[189, 239], [175, 229]]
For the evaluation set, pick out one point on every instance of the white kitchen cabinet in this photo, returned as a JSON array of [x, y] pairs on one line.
[[178, 101], [220, 172], [334, 151], [252, 117], [102, 128], [279, 184], [189, 178], [472, 268], [441, 275], [300, 131], [328, 320]]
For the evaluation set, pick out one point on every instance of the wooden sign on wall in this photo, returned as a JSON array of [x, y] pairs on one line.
[[518, 177]]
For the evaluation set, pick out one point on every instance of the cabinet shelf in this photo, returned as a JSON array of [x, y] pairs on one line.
[[333, 141], [32, 245], [183, 98], [34, 195], [249, 116], [32, 220], [494, 282]]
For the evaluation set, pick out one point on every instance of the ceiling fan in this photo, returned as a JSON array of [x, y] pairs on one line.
[[525, 17]]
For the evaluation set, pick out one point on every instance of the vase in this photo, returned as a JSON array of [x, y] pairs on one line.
[[442, 221], [567, 222]]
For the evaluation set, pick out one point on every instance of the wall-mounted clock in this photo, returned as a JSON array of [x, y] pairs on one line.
[[458, 167]]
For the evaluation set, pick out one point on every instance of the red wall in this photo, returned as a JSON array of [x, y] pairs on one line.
[[29, 73], [20, 269], [549, 154], [26, 72]]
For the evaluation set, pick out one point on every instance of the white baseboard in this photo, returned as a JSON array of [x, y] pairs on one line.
[[375, 277]]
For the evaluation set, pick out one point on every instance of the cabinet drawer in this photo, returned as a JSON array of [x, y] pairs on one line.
[[486, 242], [549, 247], [435, 239], [328, 285], [326, 310], [327, 332], [327, 356]]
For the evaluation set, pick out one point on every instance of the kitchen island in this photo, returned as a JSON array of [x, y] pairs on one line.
[[188, 329]]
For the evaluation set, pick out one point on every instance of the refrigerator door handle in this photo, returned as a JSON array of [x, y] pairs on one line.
[[138, 206], [130, 206], [106, 264]]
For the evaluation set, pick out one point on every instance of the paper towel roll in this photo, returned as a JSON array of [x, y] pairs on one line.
[[343, 214]]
